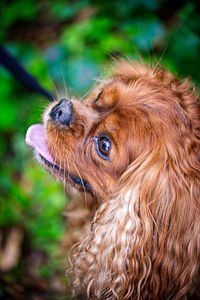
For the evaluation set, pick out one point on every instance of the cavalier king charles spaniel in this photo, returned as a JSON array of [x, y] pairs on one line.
[[133, 143]]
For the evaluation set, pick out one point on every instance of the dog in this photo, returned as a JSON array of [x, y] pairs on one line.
[[133, 144]]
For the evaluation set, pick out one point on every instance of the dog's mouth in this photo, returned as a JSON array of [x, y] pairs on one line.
[[35, 137]]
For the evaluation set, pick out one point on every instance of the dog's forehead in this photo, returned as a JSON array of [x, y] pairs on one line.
[[109, 95], [118, 93]]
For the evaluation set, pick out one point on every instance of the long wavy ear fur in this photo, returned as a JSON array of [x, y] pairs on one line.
[[147, 237], [144, 241]]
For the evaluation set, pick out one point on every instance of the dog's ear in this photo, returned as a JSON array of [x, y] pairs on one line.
[[183, 90], [147, 235]]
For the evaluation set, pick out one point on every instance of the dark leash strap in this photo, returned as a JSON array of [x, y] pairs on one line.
[[10, 63]]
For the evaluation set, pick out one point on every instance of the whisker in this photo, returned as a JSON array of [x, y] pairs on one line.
[[84, 95], [65, 86], [54, 160], [85, 195], [68, 169], [65, 198], [60, 171], [53, 87], [56, 91]]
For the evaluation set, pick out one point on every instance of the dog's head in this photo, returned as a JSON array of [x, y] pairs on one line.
[[134, 141], [93, 142]]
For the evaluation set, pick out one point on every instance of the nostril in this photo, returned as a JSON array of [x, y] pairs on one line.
[[59, 113]]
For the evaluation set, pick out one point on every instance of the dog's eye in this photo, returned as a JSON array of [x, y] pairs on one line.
[[99, 95], [103, 146]]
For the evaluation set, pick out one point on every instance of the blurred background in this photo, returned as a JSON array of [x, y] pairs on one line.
[[66, 44]]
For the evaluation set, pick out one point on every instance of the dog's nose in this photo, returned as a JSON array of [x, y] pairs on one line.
[[62, 112]]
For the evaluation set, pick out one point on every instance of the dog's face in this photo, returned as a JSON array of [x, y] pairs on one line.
[[91, 143], [94, 140]]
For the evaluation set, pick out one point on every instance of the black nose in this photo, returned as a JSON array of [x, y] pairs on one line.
[[62, 112]]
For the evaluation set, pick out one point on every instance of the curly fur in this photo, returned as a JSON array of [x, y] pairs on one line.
[[144, 241]]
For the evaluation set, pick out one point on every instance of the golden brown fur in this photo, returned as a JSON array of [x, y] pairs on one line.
[[144, 240]]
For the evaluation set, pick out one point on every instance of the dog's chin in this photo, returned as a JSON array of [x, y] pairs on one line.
[[62, 175], [54, 169]]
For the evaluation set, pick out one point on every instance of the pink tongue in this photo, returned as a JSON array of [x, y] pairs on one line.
[[35, 137]]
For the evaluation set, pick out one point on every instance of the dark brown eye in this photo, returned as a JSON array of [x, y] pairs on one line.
[[98, 97], [103, 147]]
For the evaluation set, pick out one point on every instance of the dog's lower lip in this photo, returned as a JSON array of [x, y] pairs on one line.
[[50, 165], [76, 180]]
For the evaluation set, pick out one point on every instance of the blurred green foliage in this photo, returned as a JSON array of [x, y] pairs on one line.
[[68, 43]]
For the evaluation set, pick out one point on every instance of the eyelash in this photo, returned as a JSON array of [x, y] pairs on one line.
[[99, 95]]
